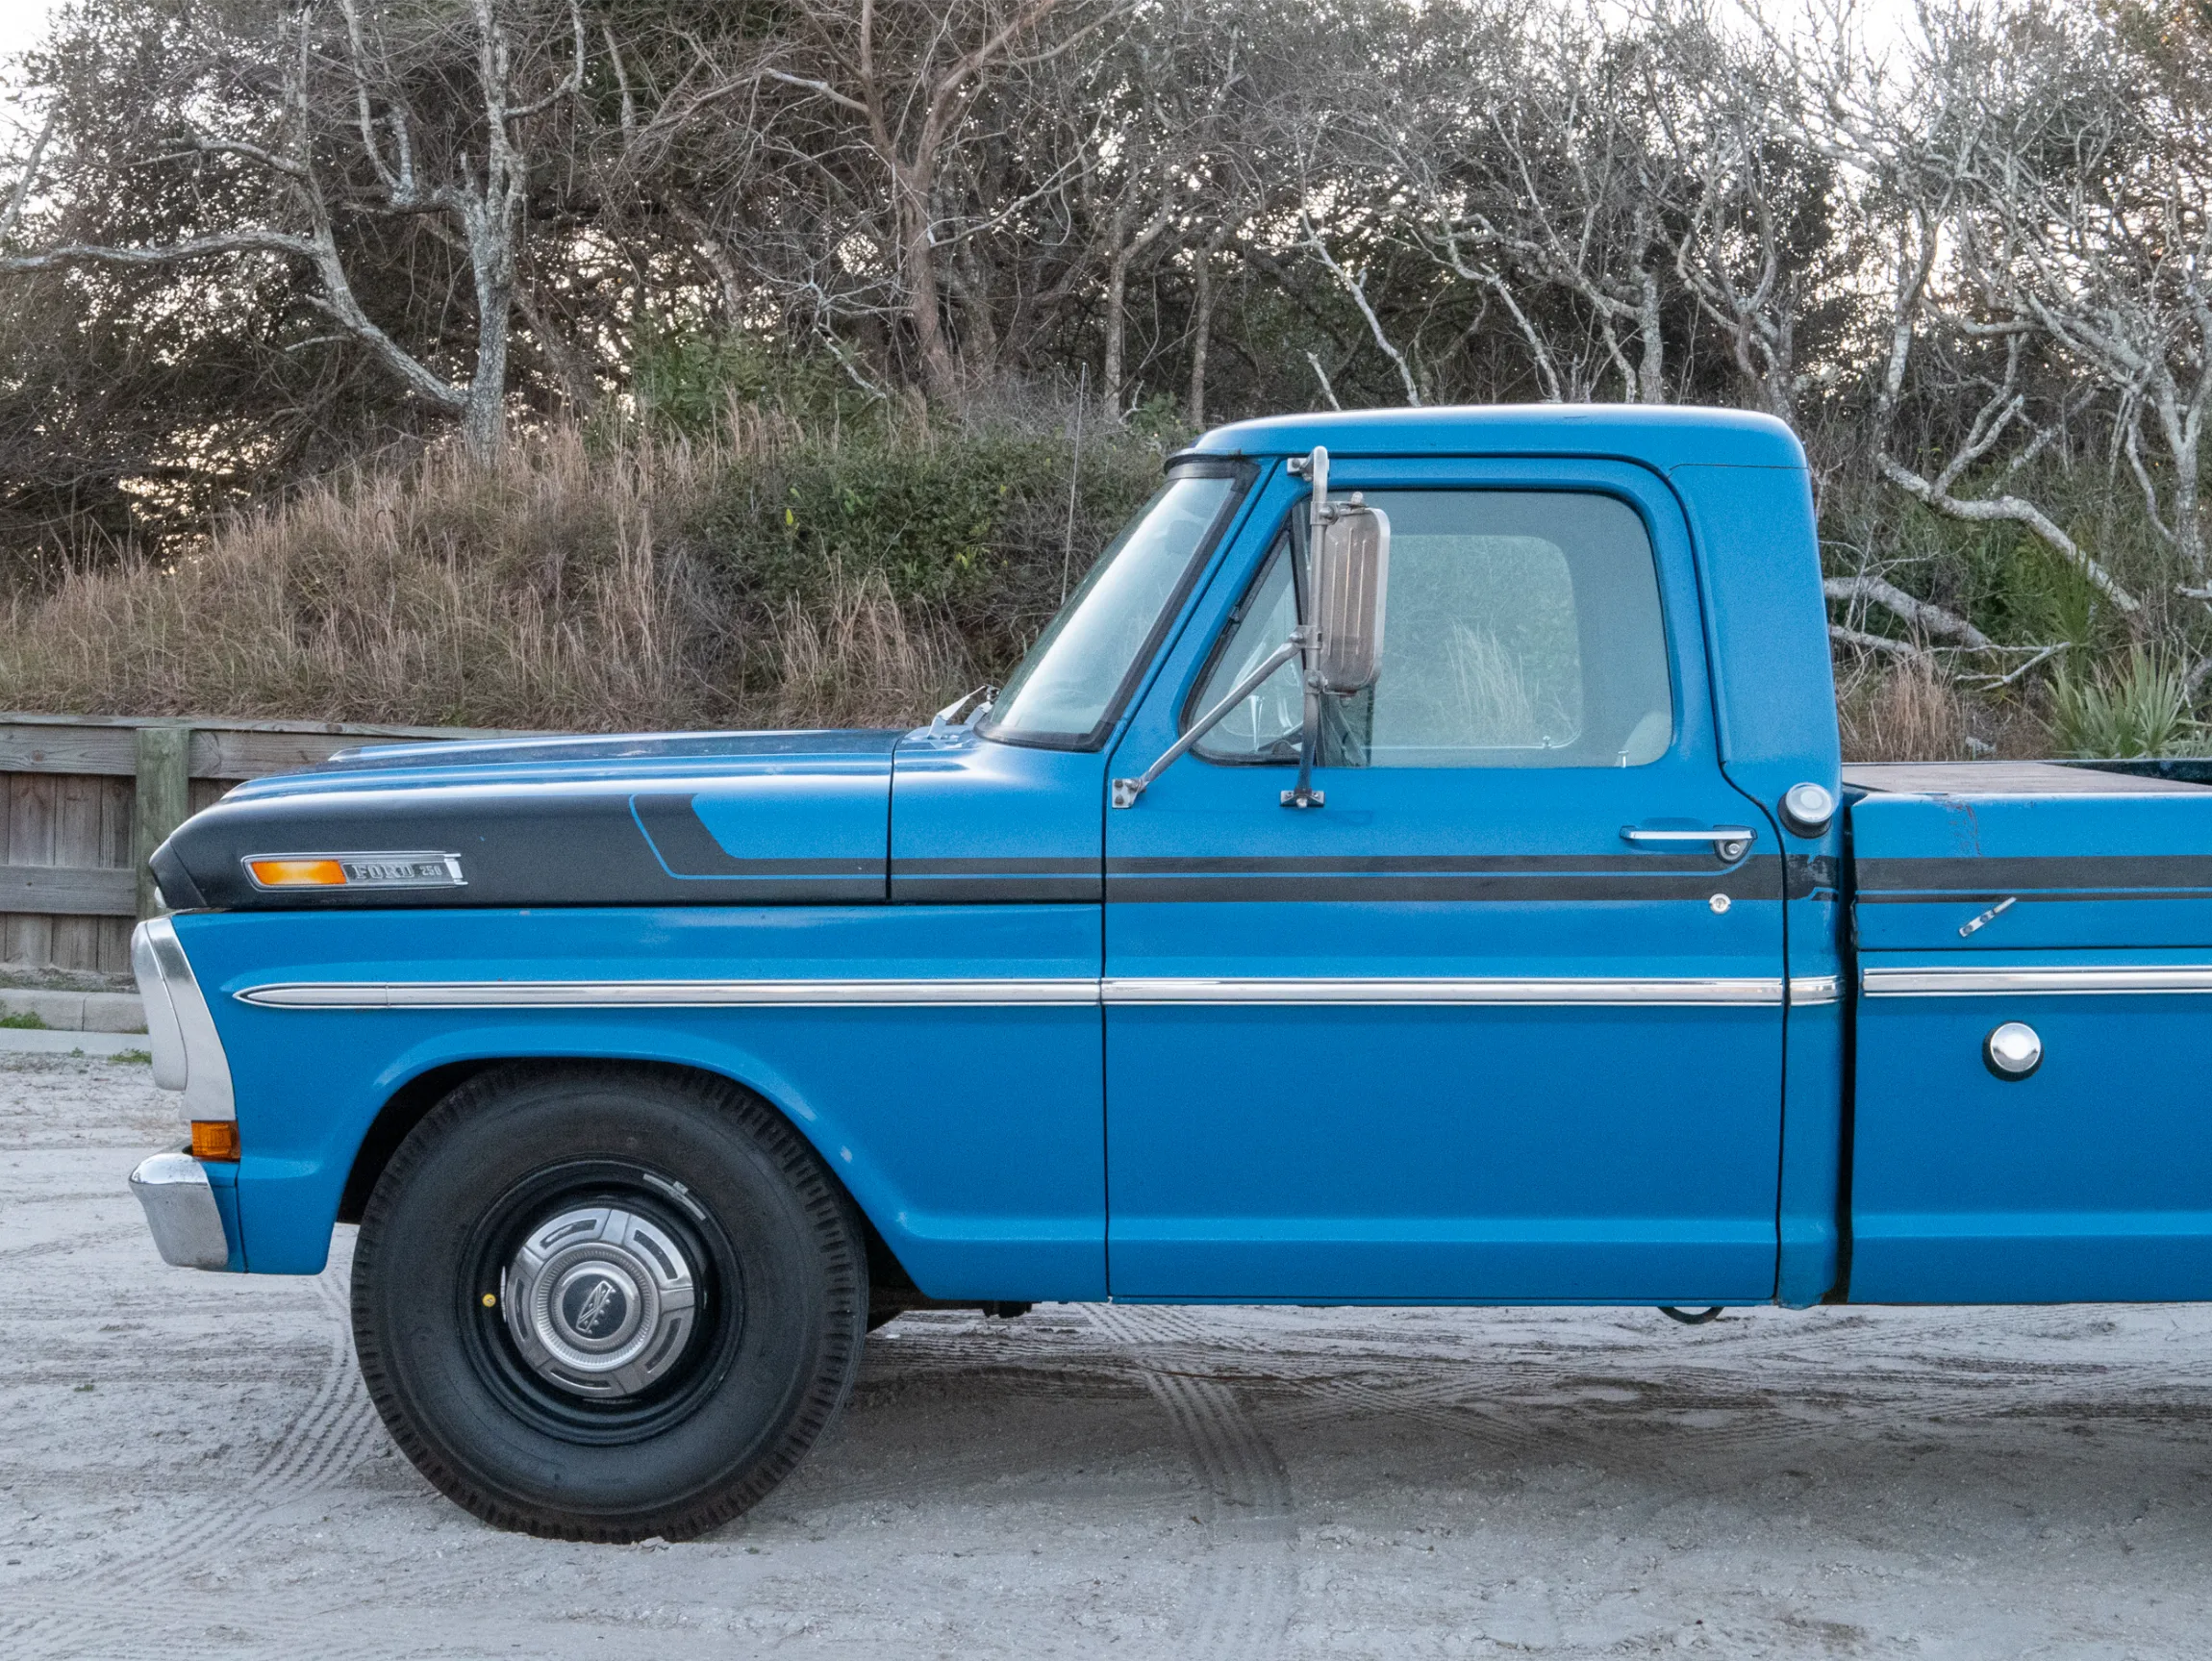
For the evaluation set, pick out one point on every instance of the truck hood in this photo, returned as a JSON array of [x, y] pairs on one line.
[[672, 818]]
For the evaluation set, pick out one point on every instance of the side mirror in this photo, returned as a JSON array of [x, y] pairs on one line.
[[1339, 645], [1351, 584]]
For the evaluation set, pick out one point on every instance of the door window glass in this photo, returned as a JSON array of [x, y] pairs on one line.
[[1523, 630]]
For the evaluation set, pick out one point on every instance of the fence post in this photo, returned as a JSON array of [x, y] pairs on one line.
[[163, 800]]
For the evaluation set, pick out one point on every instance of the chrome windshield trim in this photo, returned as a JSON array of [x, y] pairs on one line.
[[1813, 989], [1670, 990], [665, 994], [2043, 981], [181, 1034]]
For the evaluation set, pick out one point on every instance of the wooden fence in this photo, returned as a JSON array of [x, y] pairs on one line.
[[83, 800]]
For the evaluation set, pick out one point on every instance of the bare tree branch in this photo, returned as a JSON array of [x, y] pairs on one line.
[[2013, 509], [23, 186], [1921, 614]]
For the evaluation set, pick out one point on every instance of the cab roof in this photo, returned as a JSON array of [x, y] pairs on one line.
[[1658, 436]]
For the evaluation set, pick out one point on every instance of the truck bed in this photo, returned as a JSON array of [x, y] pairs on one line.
[[2075, 900]]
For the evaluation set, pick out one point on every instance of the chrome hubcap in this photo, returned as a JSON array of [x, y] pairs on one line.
[[600, 1301]]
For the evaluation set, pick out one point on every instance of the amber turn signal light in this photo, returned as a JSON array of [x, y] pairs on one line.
[[297, 872], [215, 1139]]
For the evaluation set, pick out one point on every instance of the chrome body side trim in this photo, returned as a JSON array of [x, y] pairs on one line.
[[181, 1211], [180, 1031], [666, 994], [1651, 991], [1812, 989], [1672, 990], [2071, 979]]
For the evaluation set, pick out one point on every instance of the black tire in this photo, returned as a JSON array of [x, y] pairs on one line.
[[704, 1168]]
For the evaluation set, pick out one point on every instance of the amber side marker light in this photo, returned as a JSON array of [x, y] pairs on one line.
[[215, 1139], [297, 872]]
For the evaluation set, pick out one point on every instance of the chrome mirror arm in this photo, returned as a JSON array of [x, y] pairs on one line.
[[1127, 791], [1317, 515], [1304, 796]]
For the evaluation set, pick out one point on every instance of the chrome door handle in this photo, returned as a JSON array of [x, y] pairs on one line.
[[1730, 842]]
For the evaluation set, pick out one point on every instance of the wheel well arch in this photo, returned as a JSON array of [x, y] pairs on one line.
[[411, 1104], [402, 1111]]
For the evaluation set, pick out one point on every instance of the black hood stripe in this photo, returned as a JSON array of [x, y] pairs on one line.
[[687, 849]]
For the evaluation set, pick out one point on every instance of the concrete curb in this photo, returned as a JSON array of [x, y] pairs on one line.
[[71, 1042], [76, 1011]]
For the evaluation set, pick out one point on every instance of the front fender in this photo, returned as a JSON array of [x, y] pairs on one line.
[[971, 1134]]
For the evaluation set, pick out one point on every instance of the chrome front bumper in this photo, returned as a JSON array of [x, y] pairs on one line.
[[188, 1054], [180, 1210]]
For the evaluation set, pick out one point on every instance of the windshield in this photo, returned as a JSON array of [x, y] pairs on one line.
[[1069, 686]]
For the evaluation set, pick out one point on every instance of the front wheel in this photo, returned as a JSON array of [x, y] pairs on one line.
[[605, 1303]]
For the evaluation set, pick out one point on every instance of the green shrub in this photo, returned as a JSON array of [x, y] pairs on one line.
[[686, 383], [2138, 708], [970, 526]]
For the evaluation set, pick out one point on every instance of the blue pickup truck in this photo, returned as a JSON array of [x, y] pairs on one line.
[[1417, 867]]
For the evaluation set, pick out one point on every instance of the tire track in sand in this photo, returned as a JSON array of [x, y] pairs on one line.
[[1245, 1587], [319, 1445]]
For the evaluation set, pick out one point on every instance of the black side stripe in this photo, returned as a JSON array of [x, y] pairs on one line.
[[1966, 897], [1968, 877], [1738, 884], [1368, 879], [1007, 881], [1457, 878], [1425, 863], [911, 868], [995, 891]]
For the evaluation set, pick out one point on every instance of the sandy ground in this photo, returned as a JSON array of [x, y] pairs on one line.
[[189, 1467]]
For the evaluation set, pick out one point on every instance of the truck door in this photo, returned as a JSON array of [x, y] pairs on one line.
[[1469, 1029]]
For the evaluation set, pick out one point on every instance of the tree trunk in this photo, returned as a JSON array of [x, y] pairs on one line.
[[2188, 525], [1650, 366], [483, 414], [2182, 426], [1202, 338], [924, 303], [484, 417], [1116, 308], [1782, 375]]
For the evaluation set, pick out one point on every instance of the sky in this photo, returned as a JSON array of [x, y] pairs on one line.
[[21, 23]]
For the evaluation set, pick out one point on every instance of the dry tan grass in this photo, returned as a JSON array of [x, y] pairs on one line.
[[554, 589], [859, 661], [1909, 711]]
